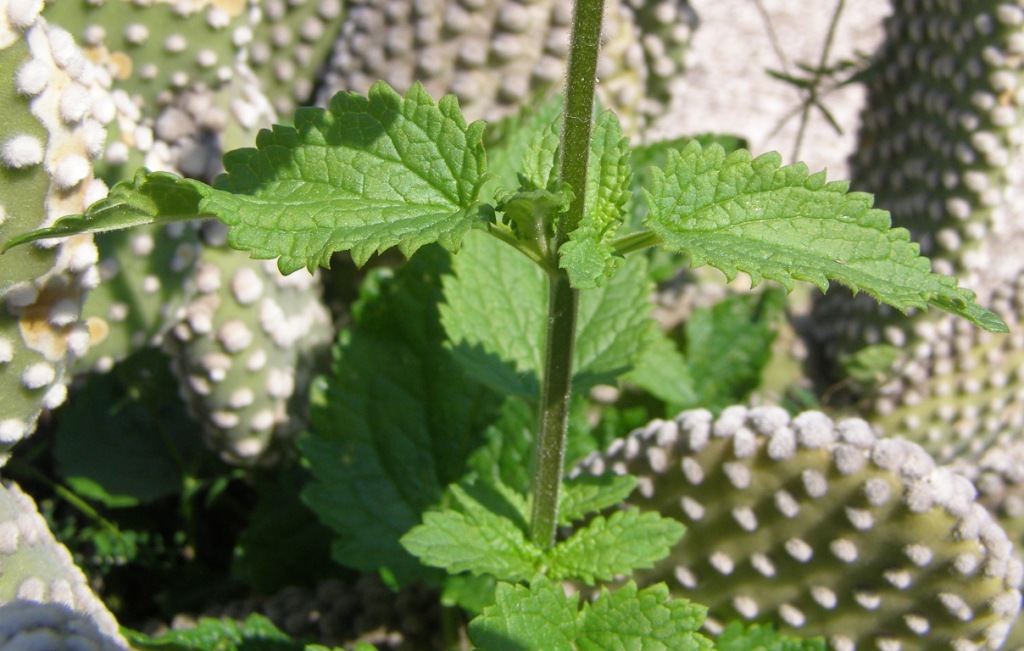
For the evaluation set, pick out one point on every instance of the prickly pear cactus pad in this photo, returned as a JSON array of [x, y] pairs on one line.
[[245, 349], [823, 528], [38, 569], [47, 141], [53, 626], [496, 56], [151, 49], [940, 147], [953, 391], [146, 277], [290, 44], [940, 141]]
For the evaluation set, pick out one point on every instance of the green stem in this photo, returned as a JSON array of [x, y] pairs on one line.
[[563, 299], [554, 415], [635, 242], [578, 116]]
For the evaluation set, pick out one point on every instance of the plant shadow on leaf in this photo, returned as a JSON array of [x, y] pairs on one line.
[[394, 423], [124, 439]]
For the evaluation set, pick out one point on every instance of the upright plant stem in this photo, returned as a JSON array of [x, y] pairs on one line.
[[563, 299]]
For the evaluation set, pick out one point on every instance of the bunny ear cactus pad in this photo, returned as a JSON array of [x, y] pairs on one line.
[[245, 350], [50, 626], [953, 388], [146, 277], [150, 49], [290, 44], [148, 272], [824, 528], [940, 146], [38, 570], [496, 57], [47, 141]]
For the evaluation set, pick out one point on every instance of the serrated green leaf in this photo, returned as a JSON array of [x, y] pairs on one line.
[[612, 326], [539, 163], [284, 544], [729, 344], [527, 619], [124, 438], [507, 456], [662, 371], [644, 620], [495, 313], [393, 425], [588, 494], [532, 213], [871, 364], [756, 637], [364, 175], [625, 541], [654, 155], [256, 633], [511, 139], [475, 539], [468, 592], [148, 198], [588, 257], [739, 213]]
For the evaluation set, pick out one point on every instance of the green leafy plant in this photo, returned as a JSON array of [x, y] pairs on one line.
[[454, 442]]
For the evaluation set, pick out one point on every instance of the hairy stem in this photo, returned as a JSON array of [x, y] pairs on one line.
[[563, 299]]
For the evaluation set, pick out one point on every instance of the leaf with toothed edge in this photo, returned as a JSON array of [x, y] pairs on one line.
[[541, 616], [588, 257], [608, 547], [364, 175], [150, 197], [739, 213], [588, 494]]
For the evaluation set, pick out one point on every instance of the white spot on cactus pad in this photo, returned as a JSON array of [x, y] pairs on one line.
[[9, 536], [75, 103], [845, 550], [280, 383], [799, 550], [32, 589], [262, 421], [66, 52], [6, 350], [136, 33], [33, 77], [55, 396], [12, 430], [792, 615], [234, 336], [63, 313], [746, 606], [824, 596], [21, 151], [38, 375], [70, 171], [956, 606], [23, 13]]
